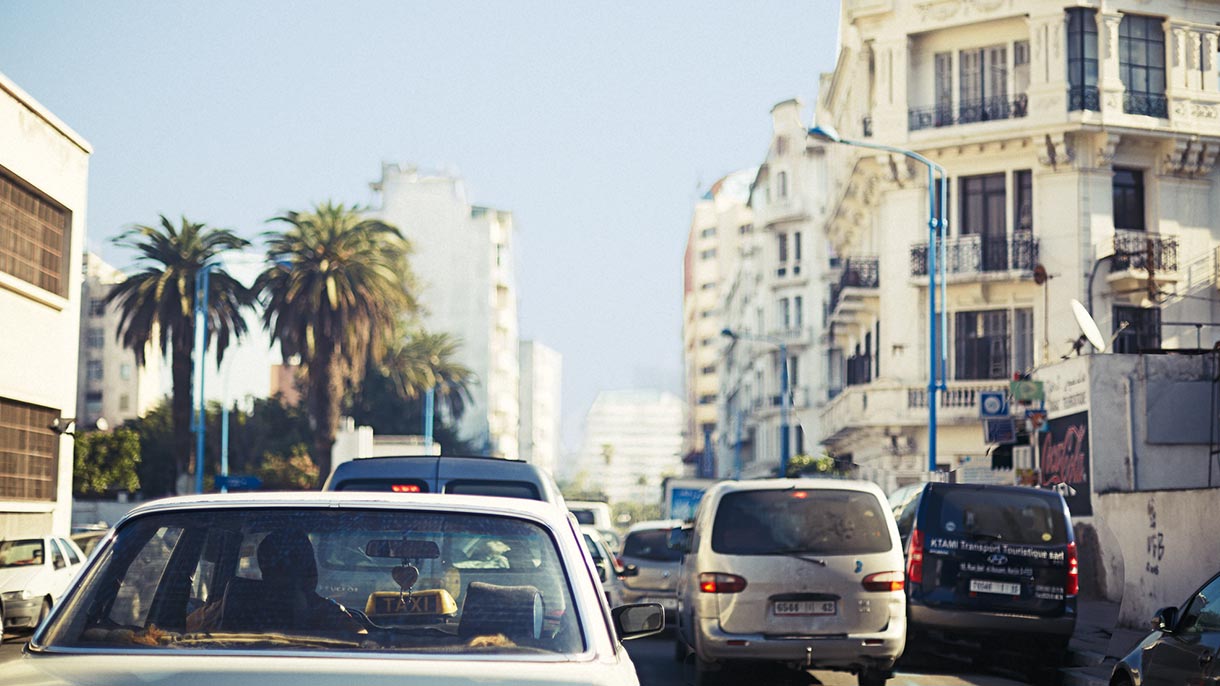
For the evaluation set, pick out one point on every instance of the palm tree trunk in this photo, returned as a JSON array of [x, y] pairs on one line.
[[324, 397], [181, 367]]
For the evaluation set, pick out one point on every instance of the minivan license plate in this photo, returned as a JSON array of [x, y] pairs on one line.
[[790, 608], [996, 587]]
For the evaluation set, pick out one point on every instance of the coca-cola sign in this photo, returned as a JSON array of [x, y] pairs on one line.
[[1063, 453]]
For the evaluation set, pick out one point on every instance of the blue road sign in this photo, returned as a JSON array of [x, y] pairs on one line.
[[993, 404], [236, 482]]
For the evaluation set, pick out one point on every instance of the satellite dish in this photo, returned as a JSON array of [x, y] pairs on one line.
[[1040, 275], [1088, 327]]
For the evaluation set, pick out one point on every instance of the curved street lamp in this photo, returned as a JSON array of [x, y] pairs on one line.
[[936, 235], [783, 389]]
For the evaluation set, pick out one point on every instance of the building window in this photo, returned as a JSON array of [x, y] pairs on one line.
[[707, 399], [93, 370], [1141, 65], [706, 313], [124, 402], [28, 451], [709, 369], [783, 247], [499, 254], [705, 342], [781, 145], [983, 84], [708, 232], [983, 348], [1023, 200], [1128, 188], [1136, 329], [708, 254], [34, 236], [745, 229], [943, 115], [125, 371], [95, 338], [796, 247], [708, 286], [97, 307], [785, 313], [982, 214], [782, 182], [798, 305], [1082, 59]]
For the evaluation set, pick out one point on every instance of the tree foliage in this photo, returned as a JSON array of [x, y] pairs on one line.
[[294, 472], [812, 465], [105, 462]]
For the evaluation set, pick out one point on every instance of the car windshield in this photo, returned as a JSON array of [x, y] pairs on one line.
[[650, 544], [325, 579], [1009, 516], [22, 552], [800, 521]]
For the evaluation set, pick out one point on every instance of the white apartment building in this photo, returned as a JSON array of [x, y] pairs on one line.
[[110, 385], [632, 441], [773, 303], [1079, 140], [721, 223], [44, 168], [463, 259], [541, 387]]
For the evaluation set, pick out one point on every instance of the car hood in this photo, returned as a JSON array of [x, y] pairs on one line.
[[18, 578], [299, 670]]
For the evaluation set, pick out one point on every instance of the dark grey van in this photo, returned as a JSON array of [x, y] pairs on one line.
[[459, 474], [995, 565]]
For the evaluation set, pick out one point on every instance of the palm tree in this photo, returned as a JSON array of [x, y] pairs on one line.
[[158, 301], [419, 360], [336, 282]]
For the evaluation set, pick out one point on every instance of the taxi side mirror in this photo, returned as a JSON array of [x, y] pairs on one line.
[[636, 621], [1165, 619]]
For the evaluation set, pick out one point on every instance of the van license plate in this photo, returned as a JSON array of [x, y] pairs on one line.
[[996, 587], [791, 608]]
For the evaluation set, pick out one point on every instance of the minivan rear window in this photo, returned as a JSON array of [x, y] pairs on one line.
[[818, 521], [1009, 516], [584, 516], [651, 544], [503, 489]]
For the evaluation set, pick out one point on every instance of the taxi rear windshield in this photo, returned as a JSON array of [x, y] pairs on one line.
[[1008, 516], [791, 521], [317, 580]]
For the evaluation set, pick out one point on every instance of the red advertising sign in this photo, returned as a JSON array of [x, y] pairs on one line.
[[1064, 458]]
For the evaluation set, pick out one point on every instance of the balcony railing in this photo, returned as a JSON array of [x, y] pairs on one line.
[[1142, 250], [975, 254], [1149, 104], [883, 405], [858, 272], [968, 112], [1084, 98]]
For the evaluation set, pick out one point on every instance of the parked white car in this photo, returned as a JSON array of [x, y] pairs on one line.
[[34, 572], [334, 588], [799, 573]]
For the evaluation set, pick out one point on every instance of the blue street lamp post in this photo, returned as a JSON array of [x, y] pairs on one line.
[[783, 390], [936, 234], [202, 280]]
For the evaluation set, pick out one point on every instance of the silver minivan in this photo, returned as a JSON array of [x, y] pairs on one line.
[[798, 573]]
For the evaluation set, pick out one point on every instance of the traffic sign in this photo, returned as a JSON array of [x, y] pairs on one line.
[[993, 404], [237, 482]]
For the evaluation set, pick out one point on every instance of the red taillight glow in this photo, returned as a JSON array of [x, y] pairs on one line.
[[915, 558], [1073, 580], [800, 495], [405, 488], [715, 582], [883, 581]]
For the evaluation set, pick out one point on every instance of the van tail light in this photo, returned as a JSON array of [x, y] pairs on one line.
[[715, 582], [915, 558], [1073, 580], [883, 581]]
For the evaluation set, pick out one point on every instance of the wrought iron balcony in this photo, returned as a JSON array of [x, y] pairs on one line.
[[1084, 98], [858, 272], [1149, 104], [975, 254], [1146, 251], [968, 112]]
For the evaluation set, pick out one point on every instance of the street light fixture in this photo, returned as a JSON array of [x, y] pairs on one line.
[[936, 234], [783, 390]]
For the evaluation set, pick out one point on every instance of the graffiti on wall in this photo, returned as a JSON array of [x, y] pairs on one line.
[[1156, 542], [1064, 459]]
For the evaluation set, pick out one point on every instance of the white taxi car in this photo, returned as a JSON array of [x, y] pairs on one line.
[[338, 588], [34, 573]]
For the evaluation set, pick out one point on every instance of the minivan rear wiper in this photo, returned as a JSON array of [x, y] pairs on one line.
[[801, 554]]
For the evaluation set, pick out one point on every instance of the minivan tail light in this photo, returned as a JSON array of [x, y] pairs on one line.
[[1073, 580], [715, 582], [915, 558], [883, 581]]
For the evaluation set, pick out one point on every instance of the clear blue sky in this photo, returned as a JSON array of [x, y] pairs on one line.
[[596, 124]]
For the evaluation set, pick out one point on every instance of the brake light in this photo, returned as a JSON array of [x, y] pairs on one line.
[[405, 488], [715, 582], [915, 558], [883, 581], [1073, 580]]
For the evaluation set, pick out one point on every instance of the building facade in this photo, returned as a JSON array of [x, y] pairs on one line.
[[632, 441], [1079, 142], [541, 387], [772, 306], [721, 224], [110, 386], [463, 259], [44, 169]]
